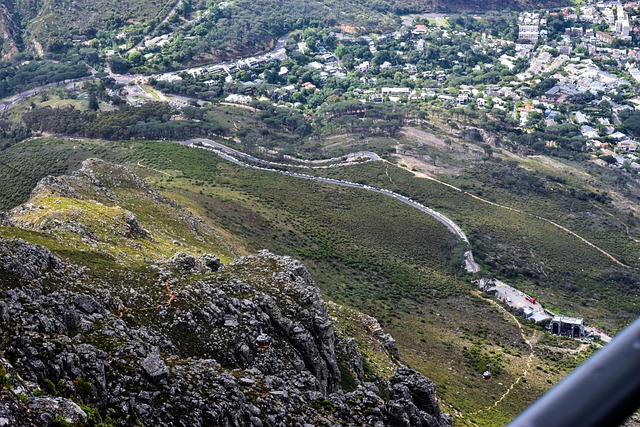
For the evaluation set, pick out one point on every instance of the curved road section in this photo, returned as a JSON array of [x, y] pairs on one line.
[[12, 100], [359, 157], [233, 156]]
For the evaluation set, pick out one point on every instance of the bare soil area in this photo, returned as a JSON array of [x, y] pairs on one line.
[[424, 152]]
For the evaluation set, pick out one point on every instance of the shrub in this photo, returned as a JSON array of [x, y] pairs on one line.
[[49, 387], [4, 379], [60, 421], [84, 389]]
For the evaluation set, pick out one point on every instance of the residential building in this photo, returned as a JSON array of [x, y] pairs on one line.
[[529, 26]]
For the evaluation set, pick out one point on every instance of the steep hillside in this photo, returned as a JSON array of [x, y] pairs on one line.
[[364, 250], [50, 24], [94, 209], [237, 27], [94, 335], [7, 29]]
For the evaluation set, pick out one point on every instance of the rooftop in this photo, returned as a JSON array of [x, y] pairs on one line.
[[568, 320]]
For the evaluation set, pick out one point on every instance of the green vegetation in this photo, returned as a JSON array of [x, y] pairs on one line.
[[18, 78], [201, 29], [365, 250], [4, 380], [57, 26], [348, 381], [396, 265], [94, 419], [551, 264], [61, 421], [151, 120], [84, 389]]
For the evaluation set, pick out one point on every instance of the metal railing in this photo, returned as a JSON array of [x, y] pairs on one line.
[[603, 391]]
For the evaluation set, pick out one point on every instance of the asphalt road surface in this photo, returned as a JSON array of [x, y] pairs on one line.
[[233, 156]]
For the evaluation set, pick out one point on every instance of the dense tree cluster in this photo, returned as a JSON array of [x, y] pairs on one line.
[[631, 122], [292, 120], [366, 119], [189, 87], [18, 78], [151, 120]]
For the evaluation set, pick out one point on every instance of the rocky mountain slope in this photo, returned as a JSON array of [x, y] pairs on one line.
[[54, 25], [97, 329], [49, 24], [8, 48]]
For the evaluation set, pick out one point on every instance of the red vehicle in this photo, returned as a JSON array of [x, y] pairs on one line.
[[532, 300]]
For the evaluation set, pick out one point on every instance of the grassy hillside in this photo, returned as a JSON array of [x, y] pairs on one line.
[[534, 254], [131, 256], [518, 240], [364, 250]]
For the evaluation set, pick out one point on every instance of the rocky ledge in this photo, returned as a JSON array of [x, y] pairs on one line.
[[195, 362]]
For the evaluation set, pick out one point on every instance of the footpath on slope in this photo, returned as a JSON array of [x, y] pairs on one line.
[[520, 211], [230, 154], [530, 343]]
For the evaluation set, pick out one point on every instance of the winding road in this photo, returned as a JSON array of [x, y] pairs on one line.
[[278, 52], [234, 156], [12, 100], [359, 157]]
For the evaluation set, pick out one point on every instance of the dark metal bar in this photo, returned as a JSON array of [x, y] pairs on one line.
[[603, 391]]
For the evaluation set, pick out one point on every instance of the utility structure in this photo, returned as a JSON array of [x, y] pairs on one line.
[[568, 326], [487, 374]]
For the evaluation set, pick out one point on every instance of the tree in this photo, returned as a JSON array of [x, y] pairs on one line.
[[93, 102], [632, 123], [136, 58], [580, 50], [487, 149], [118, 65]]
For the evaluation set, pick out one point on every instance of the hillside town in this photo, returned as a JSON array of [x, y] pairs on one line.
[[568, 77]]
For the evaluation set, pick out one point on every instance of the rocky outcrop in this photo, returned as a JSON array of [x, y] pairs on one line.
[[413, 401], [196, 356], [174, 341], [104, 175], [17, 409], [183, 263], [108, 206], [63, 186], [51, 408], [4, 218], [155, 367], [25, 261]]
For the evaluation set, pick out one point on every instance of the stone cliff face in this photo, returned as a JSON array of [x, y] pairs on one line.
[[180, 347]]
